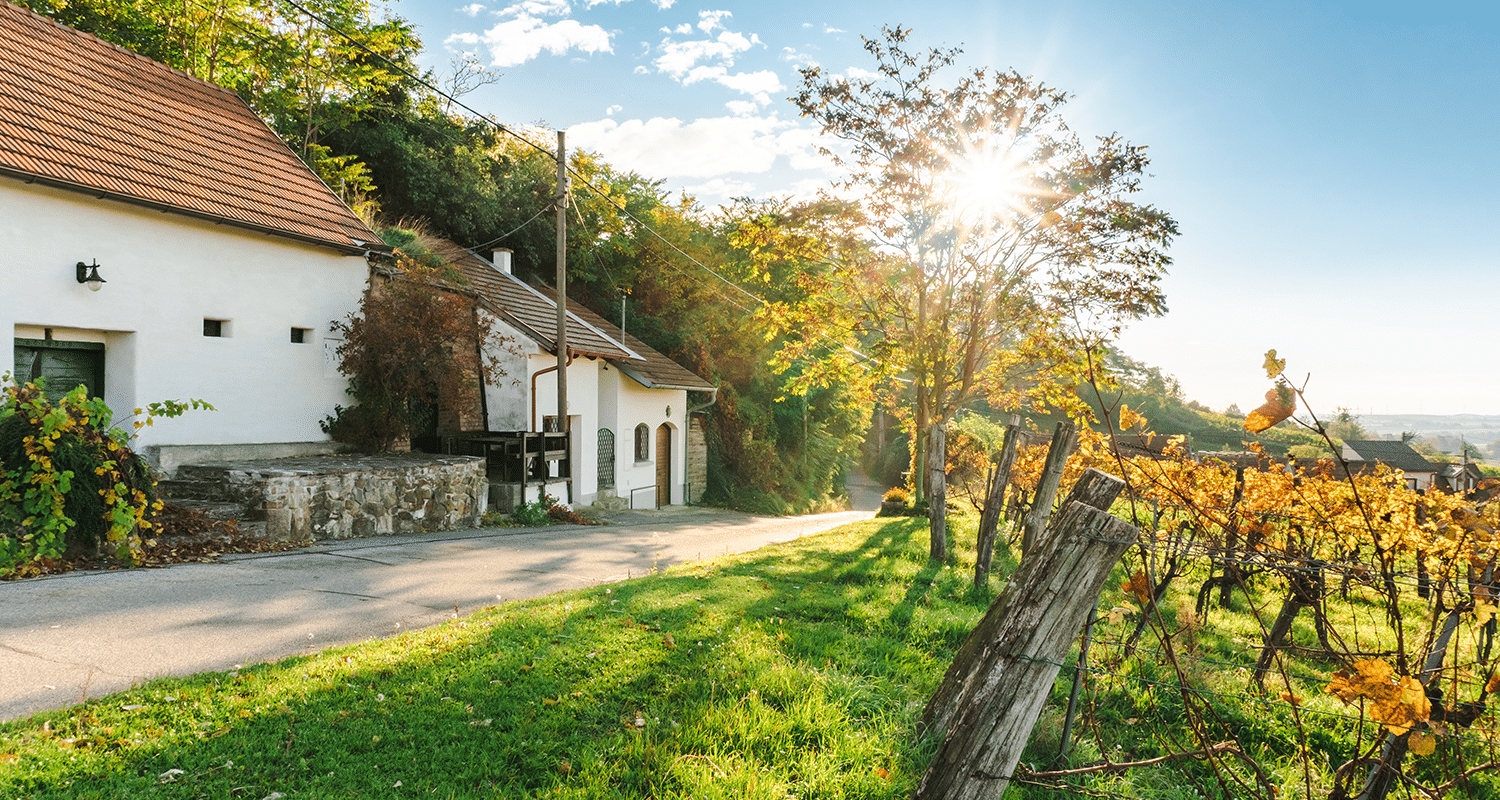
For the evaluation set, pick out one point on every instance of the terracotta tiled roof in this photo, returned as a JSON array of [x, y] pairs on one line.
[[79, 113], [527, 309], [656, 370], [535, 313]]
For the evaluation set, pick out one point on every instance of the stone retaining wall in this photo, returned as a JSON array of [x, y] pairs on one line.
[[312, 499]]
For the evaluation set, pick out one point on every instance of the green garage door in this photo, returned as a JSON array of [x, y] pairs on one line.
[[63, 364]]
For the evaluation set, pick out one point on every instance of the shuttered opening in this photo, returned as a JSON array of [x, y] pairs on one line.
[[64, 365]]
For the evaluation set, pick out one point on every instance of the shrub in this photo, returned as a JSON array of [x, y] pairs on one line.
[[896, 494], [68, 481]]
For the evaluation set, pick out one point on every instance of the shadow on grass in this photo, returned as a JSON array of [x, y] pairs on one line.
[[796, 670]]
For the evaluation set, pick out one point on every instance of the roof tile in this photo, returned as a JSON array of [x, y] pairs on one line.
[[96, 118]]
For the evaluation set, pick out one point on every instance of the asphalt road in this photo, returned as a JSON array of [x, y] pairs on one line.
[[83, 635]]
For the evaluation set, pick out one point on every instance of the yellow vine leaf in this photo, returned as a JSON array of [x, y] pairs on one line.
[[1278, 406], [1422, 743], [1493, 684], [1139, 587], [1274, 366], [1484, 612], [1398, 703]]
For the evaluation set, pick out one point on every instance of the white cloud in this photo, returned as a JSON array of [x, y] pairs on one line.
[[709, 20], [722, 190], [472, 9], [742, 107], [754, 83], [831, 29], [683, 29], [678, 57], [612, 110], [668, 148], [525, 37], [663, 5], [641, 70]]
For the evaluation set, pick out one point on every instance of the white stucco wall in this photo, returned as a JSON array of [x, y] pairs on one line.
[[653, 407], [165, 274]]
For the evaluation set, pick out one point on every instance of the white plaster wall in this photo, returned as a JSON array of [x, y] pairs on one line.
[[165, 273], [638, 404], [507, 401], [583, 413]]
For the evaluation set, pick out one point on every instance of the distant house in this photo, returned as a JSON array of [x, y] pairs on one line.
[[1459, 478], [1362, 454], [630, 427], [223, 258]]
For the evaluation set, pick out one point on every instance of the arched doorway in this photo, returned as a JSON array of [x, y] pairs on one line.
[[663, 465]]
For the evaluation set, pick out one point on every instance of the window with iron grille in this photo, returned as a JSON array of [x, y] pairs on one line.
[[642, 442], [606, 458]]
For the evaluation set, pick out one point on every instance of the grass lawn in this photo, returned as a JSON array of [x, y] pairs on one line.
[[797, 671]]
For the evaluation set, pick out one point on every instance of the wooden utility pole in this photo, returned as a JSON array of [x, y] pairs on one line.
[[562, 284]]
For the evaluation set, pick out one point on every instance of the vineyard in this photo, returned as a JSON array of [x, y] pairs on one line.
[[1277, 631]]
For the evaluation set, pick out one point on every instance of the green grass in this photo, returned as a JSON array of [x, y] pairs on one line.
[[797, 671]]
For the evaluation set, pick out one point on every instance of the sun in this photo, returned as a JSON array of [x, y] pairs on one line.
[[988, 180]]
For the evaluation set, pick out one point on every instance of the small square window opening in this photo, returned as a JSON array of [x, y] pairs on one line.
[[302, 335], [213, 327]]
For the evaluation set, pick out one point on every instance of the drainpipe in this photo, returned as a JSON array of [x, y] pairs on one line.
[[714, 398], [539, 373]]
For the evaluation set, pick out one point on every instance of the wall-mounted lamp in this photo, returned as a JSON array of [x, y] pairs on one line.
[[89, 274]]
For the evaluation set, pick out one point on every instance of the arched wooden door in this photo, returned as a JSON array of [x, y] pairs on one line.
[[663, 466]]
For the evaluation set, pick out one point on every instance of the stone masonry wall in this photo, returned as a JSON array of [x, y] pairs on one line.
[[313, 499]]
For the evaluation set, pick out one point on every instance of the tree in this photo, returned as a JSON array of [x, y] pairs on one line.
[[418, 340], [1004, 241]]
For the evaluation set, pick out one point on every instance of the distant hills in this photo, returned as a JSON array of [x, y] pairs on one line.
[[1444, 430]]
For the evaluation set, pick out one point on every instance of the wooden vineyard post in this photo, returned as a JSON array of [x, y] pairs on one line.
[[937, 491], [994, 502], [992, 694], [1064, 439]]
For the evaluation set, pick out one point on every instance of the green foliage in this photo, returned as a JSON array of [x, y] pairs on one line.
[[1158, 397], [536, 513], [70, 483]]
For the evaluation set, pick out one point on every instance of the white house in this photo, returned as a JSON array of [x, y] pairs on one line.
[[223, 257], [628, 404]]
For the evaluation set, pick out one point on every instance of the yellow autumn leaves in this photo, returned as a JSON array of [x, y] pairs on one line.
[[1398, 702]]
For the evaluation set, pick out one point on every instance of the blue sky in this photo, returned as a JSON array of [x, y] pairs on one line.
[[1334, 166]]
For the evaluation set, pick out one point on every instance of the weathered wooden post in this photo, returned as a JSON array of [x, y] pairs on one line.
[[937, 485], [992, 694], [994, 502], [1064, 439]]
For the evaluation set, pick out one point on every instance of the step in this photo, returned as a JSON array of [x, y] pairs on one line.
[[178, 490], [216, 509]]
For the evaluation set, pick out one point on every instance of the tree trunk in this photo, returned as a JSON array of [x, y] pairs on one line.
[[994, 502], [1036, 618], [1064, 439], [1096, 490], [937, 498]]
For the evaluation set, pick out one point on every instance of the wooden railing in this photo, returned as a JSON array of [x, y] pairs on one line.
[[517, 457]]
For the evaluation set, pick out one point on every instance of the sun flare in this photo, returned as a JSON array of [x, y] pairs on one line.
[[989, 180]]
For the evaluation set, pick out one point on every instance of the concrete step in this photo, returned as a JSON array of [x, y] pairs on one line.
[[221, 510], [177, 490]]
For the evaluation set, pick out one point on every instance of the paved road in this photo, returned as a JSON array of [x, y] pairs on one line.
[[79, 635]]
